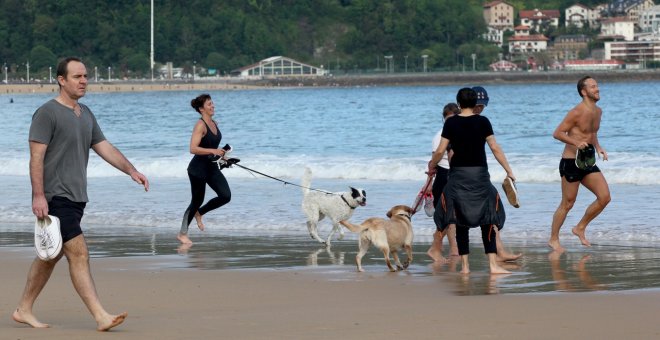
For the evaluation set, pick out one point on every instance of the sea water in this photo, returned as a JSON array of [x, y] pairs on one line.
[[374, 138]]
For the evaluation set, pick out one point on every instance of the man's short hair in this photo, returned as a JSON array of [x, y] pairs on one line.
[[581, 84], [466, 98], [62, 66]]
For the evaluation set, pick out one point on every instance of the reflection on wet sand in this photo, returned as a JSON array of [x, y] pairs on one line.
[[601, 267], [585, 280]]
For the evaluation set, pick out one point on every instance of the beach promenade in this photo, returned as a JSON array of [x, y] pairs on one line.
[[351, 80]]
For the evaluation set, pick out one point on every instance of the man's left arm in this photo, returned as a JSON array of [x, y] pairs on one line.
[[599, 149], [115, 158]]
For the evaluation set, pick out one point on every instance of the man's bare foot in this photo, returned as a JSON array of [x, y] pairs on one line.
[[506, 256], [580, 234], [198, 219], [28, 319], [111, 321], [184, 239], [554, 244]]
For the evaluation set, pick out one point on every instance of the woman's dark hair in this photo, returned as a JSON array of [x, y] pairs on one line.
[[466, 98], [581, 84], [199, 101], [450, 109]]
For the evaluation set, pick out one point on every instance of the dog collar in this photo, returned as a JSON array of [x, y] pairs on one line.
[[406, 216], [345, 201]]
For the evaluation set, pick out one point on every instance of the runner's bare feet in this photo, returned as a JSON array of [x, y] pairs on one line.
[[580, 234], [496, 269], [111, 321], [184, 239], [28, 319], [506, 256], [554, 244], [198, 218]]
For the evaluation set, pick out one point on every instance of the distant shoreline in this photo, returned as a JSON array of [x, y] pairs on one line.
[[361, 80]]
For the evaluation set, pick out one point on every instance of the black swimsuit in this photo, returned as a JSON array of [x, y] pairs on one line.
[[202, 171], [201, 166]]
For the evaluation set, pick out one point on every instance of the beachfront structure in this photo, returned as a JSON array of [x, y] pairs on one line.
[[580, 15], [569, 47], [523, 42], [503, 66], [617, 28], [279, 66], [649, 20], [592, 65], [639, 51], [540, 20]]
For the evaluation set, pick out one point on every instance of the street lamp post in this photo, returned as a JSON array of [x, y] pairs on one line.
[[194, 69], [6, 81], [425, 57], [96, 74], [474, 57], [388, 61], [109, 75], [50, 74], [27, 65]]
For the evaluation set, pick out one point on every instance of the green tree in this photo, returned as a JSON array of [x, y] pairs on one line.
[[41, 57]]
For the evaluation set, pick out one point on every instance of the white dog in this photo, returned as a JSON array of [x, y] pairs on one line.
[[336, 206]]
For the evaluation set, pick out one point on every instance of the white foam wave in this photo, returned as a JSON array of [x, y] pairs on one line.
[[622, 168]]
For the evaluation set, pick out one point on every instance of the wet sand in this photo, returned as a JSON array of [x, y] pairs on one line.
[[282, 286]]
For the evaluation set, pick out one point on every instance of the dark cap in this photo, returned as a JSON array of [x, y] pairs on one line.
[[482, 95]]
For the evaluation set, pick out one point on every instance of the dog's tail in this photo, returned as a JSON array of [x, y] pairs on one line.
[[356, 228], [306, 180]]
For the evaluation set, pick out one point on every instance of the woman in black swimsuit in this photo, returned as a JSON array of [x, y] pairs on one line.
[[202, 170]]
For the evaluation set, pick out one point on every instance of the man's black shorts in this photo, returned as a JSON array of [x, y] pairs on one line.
[[571, 172], [70, 213]]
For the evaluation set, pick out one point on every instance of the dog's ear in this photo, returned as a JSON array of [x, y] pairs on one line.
[[410, 210], [389, 214], [354, 192]]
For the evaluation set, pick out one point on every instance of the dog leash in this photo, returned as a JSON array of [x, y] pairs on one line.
[[283, 181]]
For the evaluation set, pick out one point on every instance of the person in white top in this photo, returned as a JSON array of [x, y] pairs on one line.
[[435, 251]]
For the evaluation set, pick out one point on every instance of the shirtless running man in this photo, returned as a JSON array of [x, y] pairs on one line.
[[578, 130]]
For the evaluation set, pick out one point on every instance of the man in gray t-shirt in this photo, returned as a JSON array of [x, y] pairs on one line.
[[61, 134], [69, 139]]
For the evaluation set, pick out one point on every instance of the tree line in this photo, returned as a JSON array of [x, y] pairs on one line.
[[342, 35]]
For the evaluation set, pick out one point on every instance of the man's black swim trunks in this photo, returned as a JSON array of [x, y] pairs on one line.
[[568, 169]]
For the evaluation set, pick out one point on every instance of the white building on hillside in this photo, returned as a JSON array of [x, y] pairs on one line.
[[649, 19], [523, 42], [617, 28], [580, 15], [538, 20]]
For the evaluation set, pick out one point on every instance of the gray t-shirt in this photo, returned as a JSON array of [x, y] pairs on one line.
[[69, 139]]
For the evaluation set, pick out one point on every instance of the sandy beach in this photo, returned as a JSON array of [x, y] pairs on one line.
[[189, 300]]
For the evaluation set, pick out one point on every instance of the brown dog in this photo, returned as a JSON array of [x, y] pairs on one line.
[[387, 235]]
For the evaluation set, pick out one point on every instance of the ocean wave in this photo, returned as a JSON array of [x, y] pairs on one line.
[[622, 168]]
